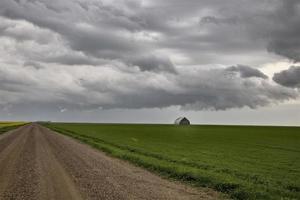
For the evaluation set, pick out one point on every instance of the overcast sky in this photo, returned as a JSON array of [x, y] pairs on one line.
[[213, 61]]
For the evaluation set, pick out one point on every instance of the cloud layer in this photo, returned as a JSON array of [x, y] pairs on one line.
[[146, 54], [118, 86]]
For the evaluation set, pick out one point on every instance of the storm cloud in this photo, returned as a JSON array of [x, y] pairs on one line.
[[289, 77], [204, 31], [246, 71], [147, 54], [112, 87]]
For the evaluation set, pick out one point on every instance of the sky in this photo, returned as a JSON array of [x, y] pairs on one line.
[[151, 61]]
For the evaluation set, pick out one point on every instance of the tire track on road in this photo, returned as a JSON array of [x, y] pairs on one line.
[[14, 153], [54, 180]]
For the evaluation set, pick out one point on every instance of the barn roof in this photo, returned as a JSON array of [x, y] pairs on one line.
[[179, 119]]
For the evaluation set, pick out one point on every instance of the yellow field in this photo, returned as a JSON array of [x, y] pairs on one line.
[[5, 124]]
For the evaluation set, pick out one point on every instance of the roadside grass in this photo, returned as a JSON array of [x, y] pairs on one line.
[[245, 162]]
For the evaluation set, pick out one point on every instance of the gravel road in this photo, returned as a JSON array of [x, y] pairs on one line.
[[37, 163]]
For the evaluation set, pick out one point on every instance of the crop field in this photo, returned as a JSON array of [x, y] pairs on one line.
[[245, 162], [6, 126]]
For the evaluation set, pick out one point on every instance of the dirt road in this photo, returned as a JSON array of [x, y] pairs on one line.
[[36, 163]]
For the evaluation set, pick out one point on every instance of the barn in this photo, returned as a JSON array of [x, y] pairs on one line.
[[182, 121]]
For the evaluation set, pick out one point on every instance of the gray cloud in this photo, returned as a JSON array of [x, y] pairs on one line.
[[289, 77], [275, 24], [108, 87], [289, 49], [33, 64], [218, 21], [123, 30], [284, 39], [24, 31], [89, 36], [133, 54], [246, 71], [154, 63]]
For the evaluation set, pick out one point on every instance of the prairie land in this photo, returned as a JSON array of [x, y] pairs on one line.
[[245, 162]]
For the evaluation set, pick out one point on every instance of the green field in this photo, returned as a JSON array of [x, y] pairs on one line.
[[246, 162]]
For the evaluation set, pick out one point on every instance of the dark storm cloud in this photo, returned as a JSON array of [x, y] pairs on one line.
[[289, 77], [104, 28], [246, 71], [111, 87], [87, 34], [207, 89], [136, 54], [284, 38], [275, 23]]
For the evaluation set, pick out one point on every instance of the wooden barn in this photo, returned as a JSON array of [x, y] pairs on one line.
[[182, 121]]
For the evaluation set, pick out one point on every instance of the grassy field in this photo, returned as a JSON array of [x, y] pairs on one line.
[[246, 162]]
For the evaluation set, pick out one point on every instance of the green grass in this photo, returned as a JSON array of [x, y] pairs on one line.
[[245, 162]]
